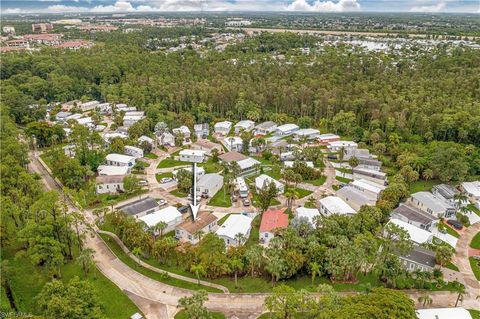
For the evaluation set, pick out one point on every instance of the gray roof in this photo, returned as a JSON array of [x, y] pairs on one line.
[[139, 206], [445, 190], [209, 179], [431, 201], [62, 114], [369, 172], [369, 162], [421, 255], [267, 124], [351, 194], [414, 214]]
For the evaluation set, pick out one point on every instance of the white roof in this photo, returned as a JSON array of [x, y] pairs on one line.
[[336, 205], [133, 148], [472, 188], [368, 185], [287, 127], [144, 138], [133, 117], [233, 140], [235, 224], [113, 135], [308, 213], [328, 136], [182, 129], [167, 215], [247, 163], [189, 152], [306, 132], [290, 163], [343, 144], [417, 235], [444, 313], [84, 120], [119, 158], [245, 124], [224, 124], [90, 103], [436, 204], [200, 170], [75, 116], [112, 170], [260, 181]]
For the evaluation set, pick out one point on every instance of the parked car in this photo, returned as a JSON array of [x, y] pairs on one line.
[[161, 202], [476, 257], [143, 183], [166, 180], [455, 224], [246, 202]]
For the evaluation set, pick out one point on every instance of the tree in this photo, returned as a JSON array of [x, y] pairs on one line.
[[193, 306], [285, 302], [266, 194], [254, 255], [85, 259], [184, 180], [75, 300], [460, 289], [198, 270], [315, 269], [353, 162], [131, 184], [160, 228], [443, 254], [236, 264]]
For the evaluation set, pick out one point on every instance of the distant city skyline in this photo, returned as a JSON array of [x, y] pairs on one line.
[[125, 6]]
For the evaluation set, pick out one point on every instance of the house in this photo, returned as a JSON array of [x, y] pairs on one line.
[[129, 120], [241, 187], [289, 164], [74, 117], [69, 150], [134, 151], [325, 139], [431, 204], [346, 146], [271, 221], [369, 163], [200, 171], [104, 108], [209, 184], [201, 130], [182, 130], [233, 143], [368, 187], [286, 129], [109, 170], [207, 146], [169, 215], [248, 166], [356, 198], [472, 190], [414, 216], [120, 160], [308, 213], [235, 226], [287, 156], [359, 153], [265, 128], [62, 116], [166, 139], [263, 180], [88, 106], [306, 133], [334, 205], [444, 313], [223, 128], [85, 121], [110, 136], [448, 193], [245, 125], [369, 174], [419, 259], [109, 184], [192, 156], [189, 230], [140, 207], [147, 140], [417, 235]]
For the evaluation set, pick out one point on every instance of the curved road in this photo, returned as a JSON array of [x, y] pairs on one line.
[[158, 301]]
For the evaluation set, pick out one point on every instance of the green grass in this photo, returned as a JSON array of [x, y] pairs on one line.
[[474, 209], [475, 267], [274, 173], [222, 220], [117, 250], [344, 170], [160, 176], [421, 186], [476, 241], [335, 187], [452, 232], [151, 155], [215, 315], [475, 313], [317, 182], [27, 281], [274, 202], [211, 167], [221, 199], [178, 193], [170, 162], [102, 200], [301, 193], [343, 179], [254, 232], [263, 161], [452, 266]]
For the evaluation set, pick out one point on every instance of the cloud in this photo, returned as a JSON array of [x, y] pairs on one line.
[[60, 8], [324, 6], [12, 11], [430, 8]]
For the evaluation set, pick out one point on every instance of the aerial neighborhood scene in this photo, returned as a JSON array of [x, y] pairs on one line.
[[240, 159]]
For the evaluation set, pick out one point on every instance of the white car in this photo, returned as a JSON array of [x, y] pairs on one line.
[[166, 180]]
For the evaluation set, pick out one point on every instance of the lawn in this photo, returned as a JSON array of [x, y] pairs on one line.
[[160, 176], [215, 315], [475, 267], [170, 162], [27, 281], [102, 200], [274, 173], [452, 232], [421, 186], [451, 266], [273, 202], [474, 209], [178, 193], [301, 193], [151, 156], [254, 233], [263, 161], [343, 179], [317, 182], [221, 199], [475, 313], [149, 273], [476, 241], [222, 220], [211, 167], [344, 170]]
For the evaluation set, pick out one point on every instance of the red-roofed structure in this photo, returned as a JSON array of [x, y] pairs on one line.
[[271, 220]]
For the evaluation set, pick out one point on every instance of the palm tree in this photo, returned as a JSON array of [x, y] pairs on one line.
[[427, 174], [461, 292], [160, 228], [199, 234], [137, 252], [315, 269], [425, 299], [236, 265], [443, 255], [198, 270], [290, 195], [254, 256], [460, 198], [240, 239]]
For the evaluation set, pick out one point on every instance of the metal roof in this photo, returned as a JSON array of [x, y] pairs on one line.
[[139, 206]]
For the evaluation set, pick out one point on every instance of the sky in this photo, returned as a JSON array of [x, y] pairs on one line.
[[99, 6]]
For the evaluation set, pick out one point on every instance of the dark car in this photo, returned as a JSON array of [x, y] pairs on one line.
[[455, 224], [246, 202]]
